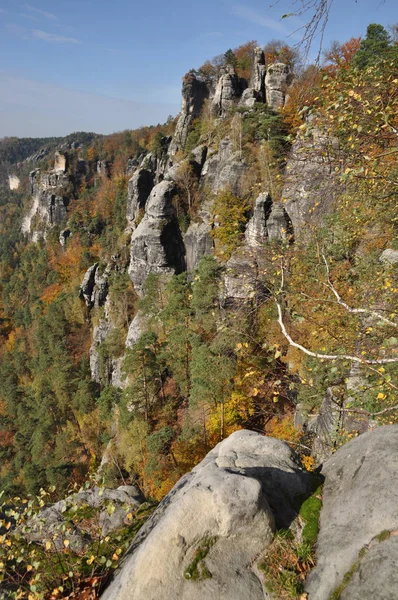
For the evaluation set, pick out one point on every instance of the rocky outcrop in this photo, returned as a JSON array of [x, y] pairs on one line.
[[60, 162], [257, 81], [389, 257], [64, 235], [50, 196], [137, 327], [277, 80], [204, 539], [194, 93], [256, 231], [139, 187], [13, 182], [243, 279], [102, 168], [279, 226], [228, 91], [311, 183], [94, 287], [358, 518], [198, 242], [156, 244], [49, 522], [223, 169]]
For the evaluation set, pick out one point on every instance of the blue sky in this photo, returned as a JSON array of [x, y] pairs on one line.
[[108, 65]]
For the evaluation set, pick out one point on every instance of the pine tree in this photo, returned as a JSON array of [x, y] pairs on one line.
[[373, 47]]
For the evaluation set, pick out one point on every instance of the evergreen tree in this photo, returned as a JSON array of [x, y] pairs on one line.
[[373, 47]]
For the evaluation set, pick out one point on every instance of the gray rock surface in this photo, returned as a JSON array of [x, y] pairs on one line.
[[156, 244], [198, 156], [360, 501], [326, 426], [94, 287], [50, 197], [103, 168], [64, 235], [198, 242], [256, 231], [124, 499], [249, 98], [257, 81], [242, 279], [279, 226], [311, 183], [277, 80], [87, 285], [194, 93], [223, 169], [376, 577], [389, 257], [233, 497], [137, 327], [228, 91], [139, 187], [13, 182]]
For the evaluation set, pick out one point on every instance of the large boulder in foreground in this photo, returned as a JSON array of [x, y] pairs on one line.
[[205, 538], [357, 549]]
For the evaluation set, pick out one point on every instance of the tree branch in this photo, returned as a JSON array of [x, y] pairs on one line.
[[380, 361], [363, 311]]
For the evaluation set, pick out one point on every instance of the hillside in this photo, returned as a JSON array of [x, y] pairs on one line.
[[233, 269]]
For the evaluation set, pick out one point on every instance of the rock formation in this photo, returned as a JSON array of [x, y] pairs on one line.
[[49, 521], [228, 91], [139, 187], [94, 287], [243, 280], [194, 93], [277, 80], [257, 81], [156, 244], [50, 197], [60, 162], [358, 518], [14, 182], [223, 169], [198, 242], [226, 509], [256, 231], [311, 183], [279, 226]]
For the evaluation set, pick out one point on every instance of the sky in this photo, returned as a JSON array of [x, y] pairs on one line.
[[110, 65]]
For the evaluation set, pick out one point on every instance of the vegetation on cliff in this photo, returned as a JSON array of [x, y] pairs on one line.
[[204, 367]]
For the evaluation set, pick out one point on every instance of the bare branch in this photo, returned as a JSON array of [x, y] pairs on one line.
[[380, 361]]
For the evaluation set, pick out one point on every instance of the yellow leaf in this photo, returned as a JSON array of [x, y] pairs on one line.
[[66, 543], [90, 560], [48, 545]]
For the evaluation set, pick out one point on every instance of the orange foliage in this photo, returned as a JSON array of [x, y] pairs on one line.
[[244, 54], [68, 264], [79, 342], [91, 153], [276, 52], [303, 92], [6, 438], [283, 429], [51, 293], [340, 55]]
